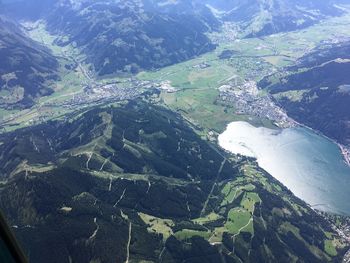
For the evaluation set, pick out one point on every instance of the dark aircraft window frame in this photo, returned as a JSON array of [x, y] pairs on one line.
[[10, 251]]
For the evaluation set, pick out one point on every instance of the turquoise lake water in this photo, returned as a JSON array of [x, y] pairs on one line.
[[310, 165]]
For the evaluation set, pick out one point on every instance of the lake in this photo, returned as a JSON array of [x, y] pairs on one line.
[[310, 165]]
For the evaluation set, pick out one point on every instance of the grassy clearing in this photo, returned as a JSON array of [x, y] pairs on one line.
[[249, 200], [238, 220], [230, 194], [231, 191], [207, 219], [158, 225], [6, 113], [250, 171], [330, 248], [188, 233], [217, 235], [292, 95]]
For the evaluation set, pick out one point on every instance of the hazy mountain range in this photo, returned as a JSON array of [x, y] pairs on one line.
[[259, 18], [119, 36]]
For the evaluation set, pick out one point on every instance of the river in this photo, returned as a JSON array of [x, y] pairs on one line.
[[310, 165]]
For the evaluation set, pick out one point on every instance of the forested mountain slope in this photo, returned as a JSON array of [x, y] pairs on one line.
[[27, 69], [135, 182]]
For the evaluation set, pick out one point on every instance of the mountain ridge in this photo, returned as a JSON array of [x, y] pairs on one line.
[[315, 90], [26, 69], [135, 182]]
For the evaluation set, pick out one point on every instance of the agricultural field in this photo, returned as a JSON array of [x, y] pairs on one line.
[[197, 81]]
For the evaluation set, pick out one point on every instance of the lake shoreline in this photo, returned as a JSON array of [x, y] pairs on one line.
[[309, 163], [345, 151]]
